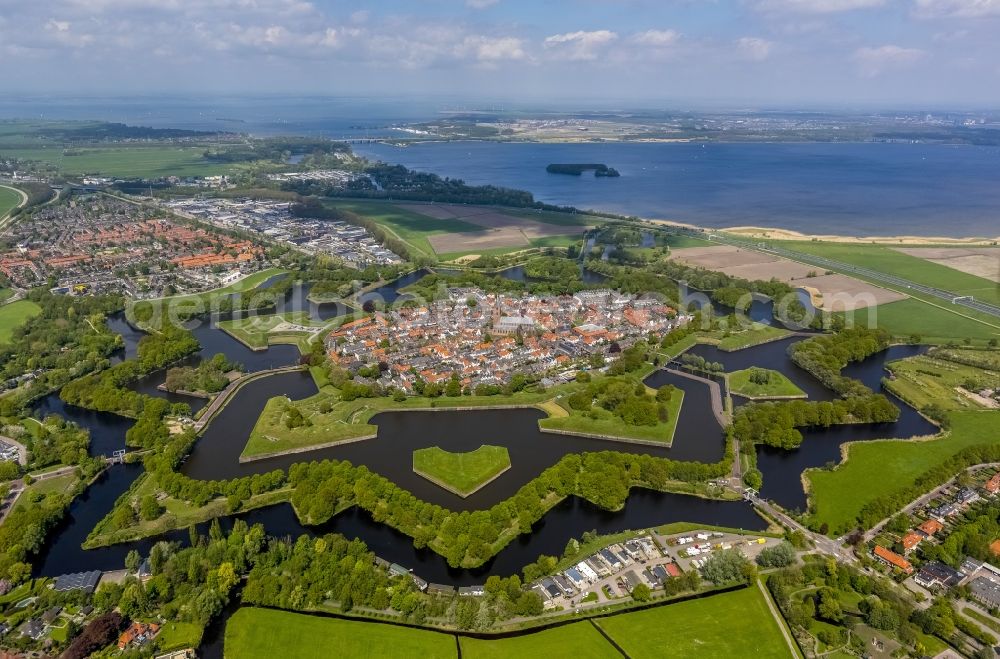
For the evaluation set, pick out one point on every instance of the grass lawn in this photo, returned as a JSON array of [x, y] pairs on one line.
[[612, 426], [57, 484], [179, 635], [758, 333], [924, 380], [262, 633], [462, 473], [736, 624], [272, 435], [777, 385], [881, 467], [934, 320], [14, 315], [8, 200], [256, 331], [577, 641], [885, 259]]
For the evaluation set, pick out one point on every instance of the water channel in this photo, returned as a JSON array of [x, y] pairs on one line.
[[698, 437]]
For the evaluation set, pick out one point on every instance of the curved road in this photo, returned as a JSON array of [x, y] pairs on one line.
[[24, 200]]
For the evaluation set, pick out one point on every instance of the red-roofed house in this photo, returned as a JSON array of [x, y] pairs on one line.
[[993, 484], [930, 527], [911, 540], [892, 559]]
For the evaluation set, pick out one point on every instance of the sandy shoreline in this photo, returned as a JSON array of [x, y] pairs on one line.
[[789, 234]]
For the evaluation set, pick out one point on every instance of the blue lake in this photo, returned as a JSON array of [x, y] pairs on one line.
[[831, 188]]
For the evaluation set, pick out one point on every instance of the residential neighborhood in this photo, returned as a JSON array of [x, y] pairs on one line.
[[99, 244], [484, 338]]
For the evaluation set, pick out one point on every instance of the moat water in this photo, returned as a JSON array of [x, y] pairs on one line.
[[215, 456]]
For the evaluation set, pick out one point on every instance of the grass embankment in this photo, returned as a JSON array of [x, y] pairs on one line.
[[198, 303], [757, 334], [176, 514], [924, 380], [258, 332], [461, 473], [733, 624], [777, 386], [610, 426], [878, 468], [14, 315]]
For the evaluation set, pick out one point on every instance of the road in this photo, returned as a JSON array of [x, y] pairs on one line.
[[823, 543], [821, 261], [219, 401]]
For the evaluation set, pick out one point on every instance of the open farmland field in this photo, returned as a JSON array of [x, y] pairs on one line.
[[979, 261], [933, 321], [451, 230], [133, 161], [833, 292], [414, 228], [894, 261], [736, 624], [264, 633]]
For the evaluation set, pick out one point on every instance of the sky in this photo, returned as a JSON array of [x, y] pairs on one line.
[[843, 53]]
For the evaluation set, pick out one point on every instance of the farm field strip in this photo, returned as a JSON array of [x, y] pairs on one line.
[[737, 623]]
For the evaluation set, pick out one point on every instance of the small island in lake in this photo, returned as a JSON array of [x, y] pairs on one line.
[[576, 169]]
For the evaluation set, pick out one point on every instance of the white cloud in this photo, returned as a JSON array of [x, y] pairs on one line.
[[480, 4], [755, 48], [656, 38], [957, 8], [579, 45], [875, 61], [63, 34], [817, 6], [492, 49]]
